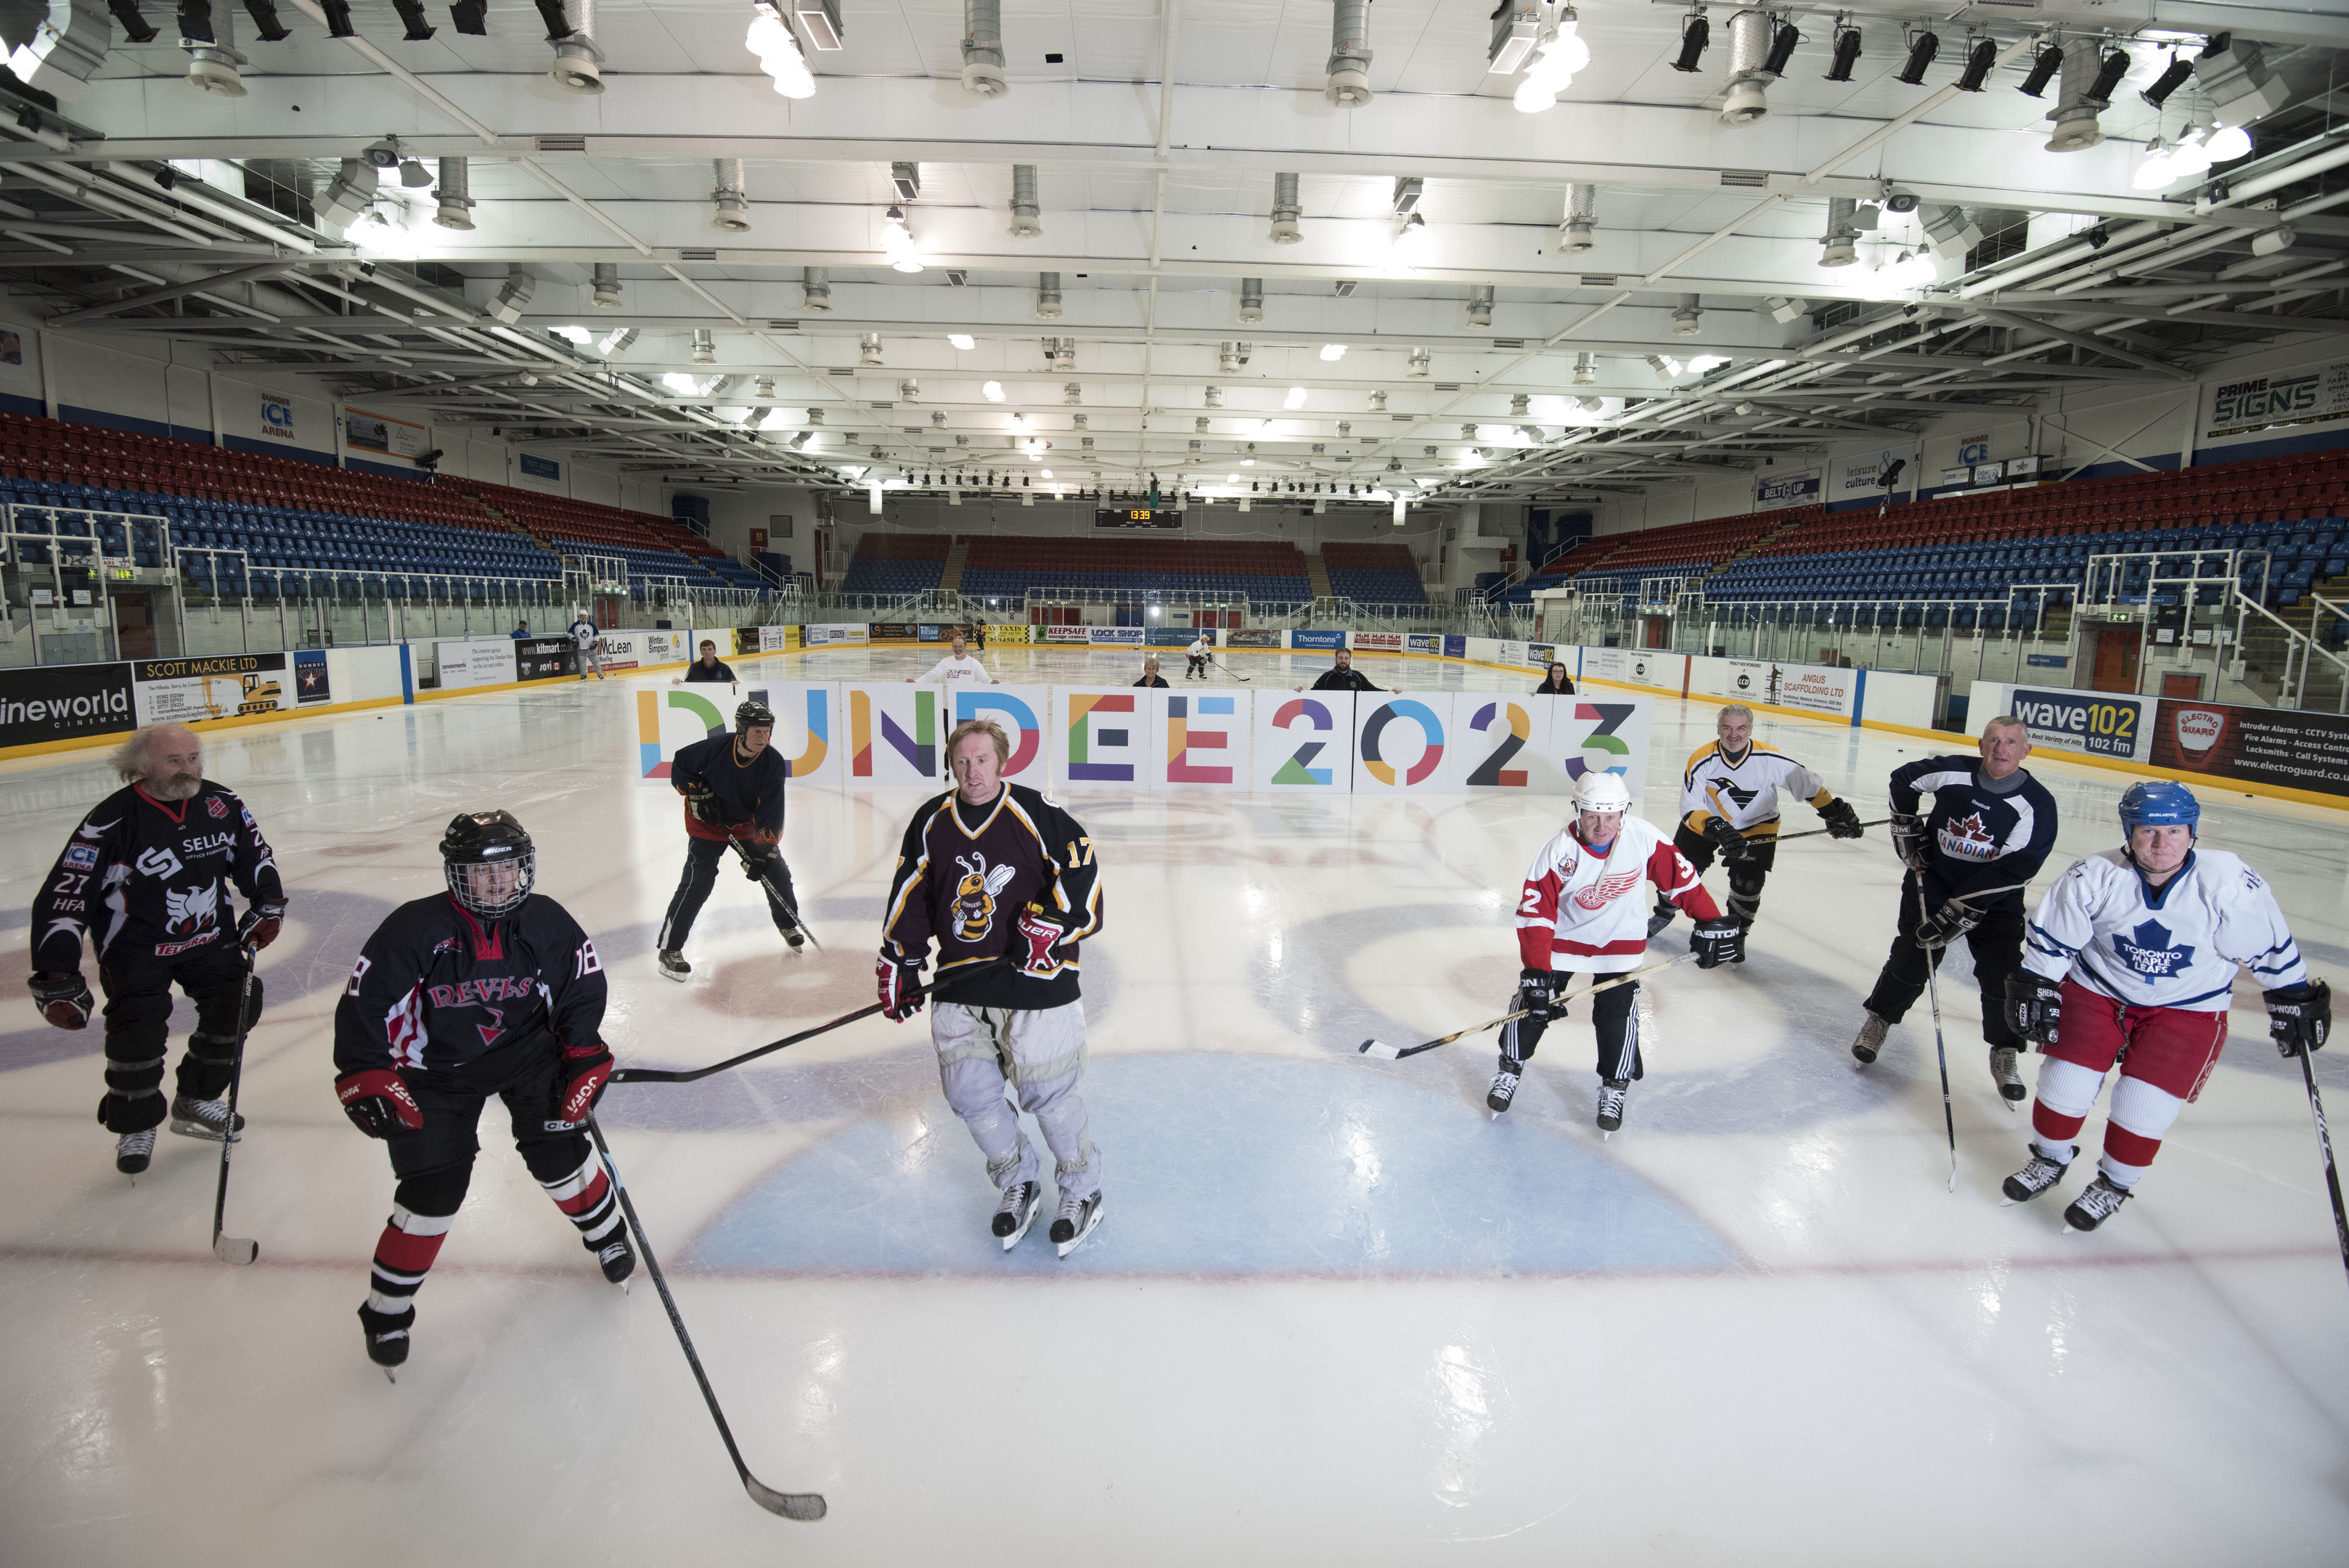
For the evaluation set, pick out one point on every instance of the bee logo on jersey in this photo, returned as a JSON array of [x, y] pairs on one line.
[[2151, 955], [975, 895], [1967, 839], [1609, 887]]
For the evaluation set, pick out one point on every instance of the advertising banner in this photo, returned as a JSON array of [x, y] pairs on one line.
[[1400, 741], [1501, 744], [1856, 473], [311, 682], [1455, 646], [896, 631], [1317, 639], [1113, 636], [1009, 632], [644, 650], [1511, 651], [1067, 634], [2101, 724], [1606, 735], [1253, 637], [382, 434], [1199, 741], [541, 658], [1170, 637], [1020, 711], [2306, 396], [1773, 490], [895, 736], [184, 690], [2280, 746], [835, 635], [1636, 667], [807, 714], [65, 703], [746, 640], [1304, 743], [476, 663], [1380, 642], [1813, 688], [1423, 642], [1099, 738], [670, 721], [277, 417]]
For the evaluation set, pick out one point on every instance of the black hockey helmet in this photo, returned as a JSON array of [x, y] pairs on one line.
[[475, 853], [753, 714]]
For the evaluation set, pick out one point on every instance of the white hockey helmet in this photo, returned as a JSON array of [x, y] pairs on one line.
[[1602, 792]]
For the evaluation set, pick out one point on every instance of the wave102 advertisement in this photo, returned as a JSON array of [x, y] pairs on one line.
[[2097, 723]]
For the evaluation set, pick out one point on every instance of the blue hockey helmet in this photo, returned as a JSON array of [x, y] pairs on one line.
[[2157, 803]]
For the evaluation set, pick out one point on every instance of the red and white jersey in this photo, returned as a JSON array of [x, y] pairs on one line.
[[1583, 910]]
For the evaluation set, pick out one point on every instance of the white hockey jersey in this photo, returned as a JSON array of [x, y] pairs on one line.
[[2176, 945], [949, 670], [1583, 911], [1745, 792]]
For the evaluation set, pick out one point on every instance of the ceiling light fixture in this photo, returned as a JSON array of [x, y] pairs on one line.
[[1695, 34], [2042, 71], [1296, 399], [992, 391], [778, 50], [1979, 61], [1332, 352], [1847, 50], [962, 340], [1560, 54], [897, 240], [1921, 50]]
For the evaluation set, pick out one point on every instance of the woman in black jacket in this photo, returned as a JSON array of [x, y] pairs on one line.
[[1555, 684]]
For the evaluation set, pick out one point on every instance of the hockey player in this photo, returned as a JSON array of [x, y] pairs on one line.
[[733, 789], [589, 640], [1579, 913], [2132, 955], [1988, 830], [959, 665], [145, 876], [1197, 654], [487, 989], [1342, 676], [995, 870], [1729, 806]]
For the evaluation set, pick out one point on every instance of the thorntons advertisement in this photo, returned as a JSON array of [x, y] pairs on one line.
[[2310, 395], [65, 703], [2265, 745], [184, 690]]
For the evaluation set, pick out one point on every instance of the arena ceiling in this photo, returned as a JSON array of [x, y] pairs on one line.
[[219, 193]]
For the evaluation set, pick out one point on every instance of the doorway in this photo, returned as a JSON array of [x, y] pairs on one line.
[[2118, 648], [134, 625]]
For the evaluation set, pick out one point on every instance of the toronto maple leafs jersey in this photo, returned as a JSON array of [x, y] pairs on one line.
[[963, 876], [1743, 791], [2177, 945], [434, 987], [1982, 834], [1581, 909], [146, 879]]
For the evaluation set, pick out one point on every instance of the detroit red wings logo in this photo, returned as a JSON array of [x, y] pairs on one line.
[[1609, 887]]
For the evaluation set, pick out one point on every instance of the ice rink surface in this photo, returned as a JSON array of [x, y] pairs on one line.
[[1334, 1313]]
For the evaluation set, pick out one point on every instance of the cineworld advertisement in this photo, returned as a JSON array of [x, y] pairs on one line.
[[65, 703]]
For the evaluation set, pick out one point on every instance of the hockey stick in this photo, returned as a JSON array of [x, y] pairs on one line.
[[1386, 1052], [800, 1505], [1933, 988], [1216, 665], [234, 1249], [743, 853], [688, 1075], [1815, 832], [2324, 1148]]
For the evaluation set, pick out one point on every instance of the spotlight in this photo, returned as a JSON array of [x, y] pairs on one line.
[[1983, 55], [1695, 34], [1296, 399], [1847, 52], [1890, 475], [2043, 71], [778, 50], [2115, 66], [1921, 50], [2172, 77], [2228, 144], [414, 175]]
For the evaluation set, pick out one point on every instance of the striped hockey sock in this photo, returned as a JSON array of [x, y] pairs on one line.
[[403, 1254], [585, 1196]]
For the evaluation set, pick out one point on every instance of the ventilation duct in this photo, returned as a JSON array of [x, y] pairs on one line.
[[982, 48], [1027, 217], [705, 348], [1751, 35], [514, 294], [347, 195], [1585, 369], [1350, 54], [1480, 308], [607, 286], [815, 291], [1286, 211], [1687, 316], [1048, 296], [208, 33], [1838, 244], [453, 193], [1580, 230], [868, 349], [1951, 233], [578, 57], [1231, 357], [2086, 92], [2237, 81], [1251, 300], [730, 202], [1419, 362], [68, 42]]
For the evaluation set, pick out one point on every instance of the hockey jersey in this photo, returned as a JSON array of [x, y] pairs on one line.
[[145, 879], [434, 987], [1581, 909], [751, 793], [964, 886], [950, 669], [1981, 836], [1745, 791], [2177, 945]]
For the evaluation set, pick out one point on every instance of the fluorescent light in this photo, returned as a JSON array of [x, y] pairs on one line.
[[679, 382], [578, 335], [960, 340], [2228, 144], [1333, 351], [992, 391], [1561, 54], [1044, 472], [1296, 399], [771, 40]]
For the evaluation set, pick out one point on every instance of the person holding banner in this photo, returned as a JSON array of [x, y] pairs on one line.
[[1555, 683], [589, 640], [707, 669], [1343, 677], [956, 666], [733, 790], [1150, 676]]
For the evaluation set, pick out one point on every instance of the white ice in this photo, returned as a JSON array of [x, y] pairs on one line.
[[1335, 1314]]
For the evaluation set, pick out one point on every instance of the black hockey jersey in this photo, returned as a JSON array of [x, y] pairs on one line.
[[964, 888], [749, 793], [434, 987], [145, 878], [1981, 836]]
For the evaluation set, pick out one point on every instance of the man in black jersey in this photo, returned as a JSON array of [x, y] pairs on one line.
[[707, 669], [733, 790], [145, 878], [1003, 879], [485, 989], [1342, 676]]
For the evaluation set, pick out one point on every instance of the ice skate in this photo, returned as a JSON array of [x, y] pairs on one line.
[[672, 965], [387, 1336], [133, 1150], [1611, 1094], [1076, 1221], [2096, 1205], [618, 1258], [206, 1119], [2006, 1071], [2034, 1179], [1022, 1201], [795, 939], [1870, 1039], [1504, 1087]]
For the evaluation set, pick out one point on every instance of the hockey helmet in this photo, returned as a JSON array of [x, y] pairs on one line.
[[753, 714], [1596, 791], [490, 862], [2157, 803]]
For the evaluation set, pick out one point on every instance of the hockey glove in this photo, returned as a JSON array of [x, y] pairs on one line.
[[1842, 821], [584, 1070], [64, 999], [2299, 1019], [900, 987], [1043, 934], [2034, 1006], [1725, 839], [1946, 925], [1538, 994], [759, 861], [1908, 841], [260, 926], [1717, 942], [378, 1102]]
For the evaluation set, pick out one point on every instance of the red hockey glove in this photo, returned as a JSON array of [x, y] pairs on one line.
[[261, 924], [378, 1102], [584, 1070], [900, 988], [64, 999], [1043, 935]]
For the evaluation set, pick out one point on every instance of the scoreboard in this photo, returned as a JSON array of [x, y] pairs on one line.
[[1137, 517]]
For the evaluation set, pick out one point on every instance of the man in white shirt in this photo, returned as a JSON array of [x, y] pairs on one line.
[[1197, 654], [956, 666]]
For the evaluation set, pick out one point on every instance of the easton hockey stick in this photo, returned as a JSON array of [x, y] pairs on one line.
[[800, 1505], [1386, 1052], [689, 1075], [1933, 988], [1815, 832], [234, 1249], [743, 853], [2324, 1148]]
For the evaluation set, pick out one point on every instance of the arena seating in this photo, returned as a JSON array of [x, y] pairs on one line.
[[897, 562], [1682, 549], [1262, 570], [1373, 574], [653, 546]]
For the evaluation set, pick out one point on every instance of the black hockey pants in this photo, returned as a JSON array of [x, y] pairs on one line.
[[1997, 945], [702, 858], [1613, 1018], [138, 1025], [1746, 877]]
